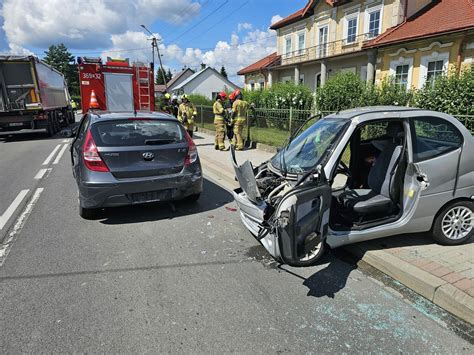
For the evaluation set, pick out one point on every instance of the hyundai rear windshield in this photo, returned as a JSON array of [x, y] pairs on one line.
[[136, 133]]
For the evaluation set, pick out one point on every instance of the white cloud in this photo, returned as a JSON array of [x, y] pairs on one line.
[[275, 19], [84, 24], [244, 26]]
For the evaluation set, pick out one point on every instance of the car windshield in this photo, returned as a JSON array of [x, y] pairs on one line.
[[136, 132], [307, 149]]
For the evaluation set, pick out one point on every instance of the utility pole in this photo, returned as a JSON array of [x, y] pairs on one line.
[[154, 44]]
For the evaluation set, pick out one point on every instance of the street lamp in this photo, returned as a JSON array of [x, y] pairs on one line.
[[153, 46]]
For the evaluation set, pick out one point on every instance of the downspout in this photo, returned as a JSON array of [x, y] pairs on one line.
[[459, 58]]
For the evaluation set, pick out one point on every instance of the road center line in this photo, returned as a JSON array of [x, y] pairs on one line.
[[20, 222], [60, 154], [50, 156], [40, 174], [11, 209]]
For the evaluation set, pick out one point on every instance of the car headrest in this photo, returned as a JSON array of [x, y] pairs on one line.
[[395, 130]]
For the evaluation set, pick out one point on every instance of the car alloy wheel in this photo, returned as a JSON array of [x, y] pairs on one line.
[[312, 253], [457, 222]]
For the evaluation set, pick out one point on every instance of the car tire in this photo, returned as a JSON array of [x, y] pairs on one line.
[[88, 213], [454, 223], [193, 198], [310, 261]]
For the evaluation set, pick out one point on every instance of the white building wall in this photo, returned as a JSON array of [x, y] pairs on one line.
[[207, 83]]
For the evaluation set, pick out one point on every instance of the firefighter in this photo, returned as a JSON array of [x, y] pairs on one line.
[[166, 105], [186, 114], [219, 121], [175, 105], [239, 117]]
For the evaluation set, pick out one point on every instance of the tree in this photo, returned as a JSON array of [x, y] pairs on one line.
[[159, 77], [62, 60], [223, 72]]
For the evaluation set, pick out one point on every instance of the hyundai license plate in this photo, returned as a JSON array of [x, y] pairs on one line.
[[152, 196]]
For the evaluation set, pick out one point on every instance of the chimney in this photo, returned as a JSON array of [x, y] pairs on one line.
[[203, 66]]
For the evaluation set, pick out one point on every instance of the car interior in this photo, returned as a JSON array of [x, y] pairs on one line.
[[373, 166]]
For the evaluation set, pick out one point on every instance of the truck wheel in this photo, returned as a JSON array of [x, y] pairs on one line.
[[50, 128], [88, 213], [71, 116], [57, 125]]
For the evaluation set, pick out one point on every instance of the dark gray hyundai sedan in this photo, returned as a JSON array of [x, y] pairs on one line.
[[131, 158]]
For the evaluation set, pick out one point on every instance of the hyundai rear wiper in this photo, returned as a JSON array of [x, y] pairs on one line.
[[159, 141]]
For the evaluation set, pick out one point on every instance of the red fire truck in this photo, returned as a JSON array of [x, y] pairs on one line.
[[117, 85]]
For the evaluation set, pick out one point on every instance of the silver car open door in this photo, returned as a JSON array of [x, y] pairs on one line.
[[302, 219]]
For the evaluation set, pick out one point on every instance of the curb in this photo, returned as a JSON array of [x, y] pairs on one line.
[[427, 285]]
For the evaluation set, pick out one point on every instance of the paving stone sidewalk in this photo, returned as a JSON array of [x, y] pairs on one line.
[[442, 274]]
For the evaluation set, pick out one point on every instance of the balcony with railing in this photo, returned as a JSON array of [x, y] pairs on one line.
[[326, 50]]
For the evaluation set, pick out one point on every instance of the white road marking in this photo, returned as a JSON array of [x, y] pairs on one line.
[[41, 173], [11, 209], [20, 222], [60, 154], [50, 157], [66, 141]]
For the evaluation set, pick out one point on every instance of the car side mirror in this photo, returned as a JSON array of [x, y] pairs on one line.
[[68, 133]]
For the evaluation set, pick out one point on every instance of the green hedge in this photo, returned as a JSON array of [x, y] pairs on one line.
[[451, 93], [282, 96]]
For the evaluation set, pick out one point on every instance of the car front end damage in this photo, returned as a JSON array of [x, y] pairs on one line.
[[284, 214]]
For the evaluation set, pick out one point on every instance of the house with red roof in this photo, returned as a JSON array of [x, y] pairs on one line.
[[323, 38], [437, 38]]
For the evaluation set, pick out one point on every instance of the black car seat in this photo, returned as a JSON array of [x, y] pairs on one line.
[[377, 199]]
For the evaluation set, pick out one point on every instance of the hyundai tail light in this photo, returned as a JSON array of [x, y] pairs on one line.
[[92, 159]]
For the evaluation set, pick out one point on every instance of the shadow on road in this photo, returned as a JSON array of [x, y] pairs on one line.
[[213, 197], [327, 281], [10, 137]]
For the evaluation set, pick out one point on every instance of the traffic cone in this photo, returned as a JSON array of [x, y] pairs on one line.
[[94, 103]]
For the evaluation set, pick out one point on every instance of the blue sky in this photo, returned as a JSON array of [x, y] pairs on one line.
[[217, 32]]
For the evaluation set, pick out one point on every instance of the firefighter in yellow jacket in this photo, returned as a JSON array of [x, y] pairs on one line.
[[239, 118], [186, 114], [219, 121]]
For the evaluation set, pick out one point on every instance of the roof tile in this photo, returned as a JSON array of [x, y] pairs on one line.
[[261, 64]]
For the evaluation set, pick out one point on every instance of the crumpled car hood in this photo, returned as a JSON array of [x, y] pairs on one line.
[[246, 178]]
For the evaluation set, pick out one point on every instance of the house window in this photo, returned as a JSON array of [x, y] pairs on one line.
[[435, 70], [432, 67], [262, 85], [401, 75], [288, 46], [374, 23], [323, 41], [351, 34], [301, 42], [286, 79], [301, 79]]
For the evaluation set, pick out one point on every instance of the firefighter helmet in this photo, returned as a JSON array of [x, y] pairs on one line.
[[234, 94], [222, 95], [184, 97], [167, 96]]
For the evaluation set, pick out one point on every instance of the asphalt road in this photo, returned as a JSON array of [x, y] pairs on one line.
[[177, 278]]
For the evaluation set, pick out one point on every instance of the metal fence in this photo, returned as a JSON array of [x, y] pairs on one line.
[[273, 126]]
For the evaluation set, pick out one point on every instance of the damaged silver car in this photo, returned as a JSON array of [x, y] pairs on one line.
[[358, 175]]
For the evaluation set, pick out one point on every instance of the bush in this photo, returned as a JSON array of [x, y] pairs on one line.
[[197, 99], [281, 96], [389, 93], [450, 93], [341, 92]]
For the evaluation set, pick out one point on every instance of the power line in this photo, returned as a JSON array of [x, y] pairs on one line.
[[201, 21], [220, 21]]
